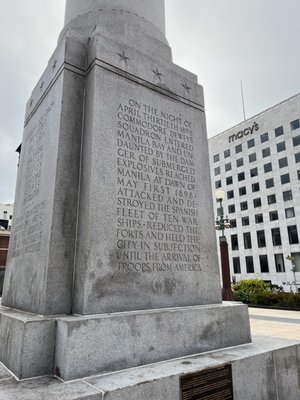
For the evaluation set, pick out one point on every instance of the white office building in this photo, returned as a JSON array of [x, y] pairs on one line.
[[257, 164], [6, 214]]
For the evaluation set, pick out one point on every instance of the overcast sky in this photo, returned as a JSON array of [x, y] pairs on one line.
[[222, 41]]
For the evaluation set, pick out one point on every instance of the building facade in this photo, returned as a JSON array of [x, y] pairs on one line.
[[6, 214], [257, 165]]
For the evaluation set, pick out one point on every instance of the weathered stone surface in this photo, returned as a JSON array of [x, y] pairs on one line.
[[27, 343], [87, 346]]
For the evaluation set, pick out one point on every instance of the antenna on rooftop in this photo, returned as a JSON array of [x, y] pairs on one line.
[[243, 102]]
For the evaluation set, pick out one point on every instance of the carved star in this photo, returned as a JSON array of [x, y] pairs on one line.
[[123, 57], [157, 73], [31, 102], [42, 85], [186, 87]]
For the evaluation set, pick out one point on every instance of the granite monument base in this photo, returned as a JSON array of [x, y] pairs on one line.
[[266, 369], [73, 347]]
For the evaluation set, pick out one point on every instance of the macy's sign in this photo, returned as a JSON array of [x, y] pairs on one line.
[[245, 132]]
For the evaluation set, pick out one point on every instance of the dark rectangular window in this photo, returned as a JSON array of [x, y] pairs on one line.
[[257, 202], [230, 194], [238, 148], [236, 265], [228, 167], [269, 183], [264, 137], [298, 174], [273, 215], [253, 172], [231, 208], [234, 242], [280, 147], [283, 162], [255, 187], [268, 167], [293, 234], [247, 240], [261, 240], [276, 236], [245, 221], [259, 219], [297, 157], [295, 124], [296, 141], [271, 199], [229, 180], [264, 266], [244, 206], [290, 212], [216, 157], [240, 162], [251, 143], [279, 131], [241, 176], [233, 223], [279, 262], [218, 184], [287, 195], [266, 152], [285, 178], [252, 157], [242, 191], [226, 153], [217, 171], [249, 265]]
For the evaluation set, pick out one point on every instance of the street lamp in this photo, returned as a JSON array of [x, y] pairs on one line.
[[292, 260], [221, 224]]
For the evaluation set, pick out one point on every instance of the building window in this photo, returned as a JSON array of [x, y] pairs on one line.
[[268, 167], [217, 171], [245, 221], [216, 157], [264, 266], [289, 212], [266, 152], [271, 199], [261, 240], [298, 174], [238, 148], [226, 153], [283, 162], [264, 137], [233, 223], [287, 195], [280, 147], [234, 242], [295, 124], [276, 236], [252, 157], [293, 234], [279, 262], [273, 215], [242, 191], [255, 187], [257, 202], [297, 157], [285, 178], [279, 131], [230, 194], [259, 219], [269, 183], [241, 176], [249, 265], [244, 206], [240, 162], [251, 143], [296, 141], [247, 240], [253, 172], [229, 180], [218, 184], [228, 167], [231, 208], [236, 265]]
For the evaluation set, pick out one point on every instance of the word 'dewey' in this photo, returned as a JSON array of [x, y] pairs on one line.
[[245, 132]]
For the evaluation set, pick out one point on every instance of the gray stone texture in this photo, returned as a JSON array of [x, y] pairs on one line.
[[88, 346]]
